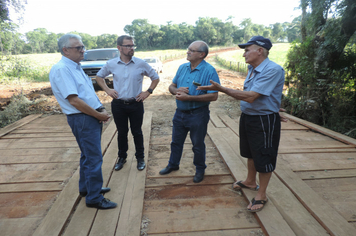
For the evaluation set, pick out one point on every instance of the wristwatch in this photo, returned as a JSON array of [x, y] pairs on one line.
[[150, 90]]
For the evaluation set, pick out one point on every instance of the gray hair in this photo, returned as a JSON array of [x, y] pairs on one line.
[[203, 47], [64, 41]]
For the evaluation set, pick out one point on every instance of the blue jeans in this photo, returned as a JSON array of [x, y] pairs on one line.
[[196, 123], [87, 131], [122, 114]]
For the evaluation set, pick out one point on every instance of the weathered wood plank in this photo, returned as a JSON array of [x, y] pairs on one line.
[[55, 220], [208, 179], [187, 168], [287, 150], [270, 217], [56, 175], [7, 129], [9, 159], [320, 209], [131, 211], [40, 152], [322, 130], [19, 226], [326, 174], [31, 187], [232, 232], [216, 120]]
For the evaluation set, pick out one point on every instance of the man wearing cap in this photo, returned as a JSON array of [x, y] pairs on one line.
[[260, 123]]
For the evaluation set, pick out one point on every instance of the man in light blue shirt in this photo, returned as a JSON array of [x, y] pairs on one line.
[[260, 123], [128, 97], [192, 114], [85, 115]]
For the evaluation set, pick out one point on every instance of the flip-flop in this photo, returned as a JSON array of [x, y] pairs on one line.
[[241, 186], [257, 202]]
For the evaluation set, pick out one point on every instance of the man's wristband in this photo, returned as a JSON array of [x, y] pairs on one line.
[[150, 90]]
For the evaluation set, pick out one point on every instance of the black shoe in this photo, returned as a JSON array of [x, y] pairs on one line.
[[103, 204], [198, 177], [103, 190], [168, 170], [120, 164], [141, 164]]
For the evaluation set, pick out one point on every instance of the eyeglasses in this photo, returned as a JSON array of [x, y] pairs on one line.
[[79, 48], [190, 50], [129, 46]]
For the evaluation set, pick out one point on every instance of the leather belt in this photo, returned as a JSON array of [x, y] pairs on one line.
[[126, 102], [191, 111]]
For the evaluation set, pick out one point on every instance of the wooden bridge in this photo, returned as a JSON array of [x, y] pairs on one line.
[[312, 192]]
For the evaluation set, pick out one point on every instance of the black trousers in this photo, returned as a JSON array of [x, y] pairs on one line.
[[123, 113]]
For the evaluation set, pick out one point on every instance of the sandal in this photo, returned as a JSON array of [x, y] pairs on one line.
[[257, 202], [239, 185]]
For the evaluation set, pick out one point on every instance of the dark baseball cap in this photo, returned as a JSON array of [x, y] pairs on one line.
[[258, 40]]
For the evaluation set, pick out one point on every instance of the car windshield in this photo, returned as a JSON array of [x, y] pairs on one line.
[[150, 60], [97, 55]]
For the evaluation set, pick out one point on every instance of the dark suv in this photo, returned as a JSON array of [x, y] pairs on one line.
[[95, 59]]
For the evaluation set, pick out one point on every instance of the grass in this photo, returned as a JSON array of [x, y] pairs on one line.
[[278, 54], [36, 67]]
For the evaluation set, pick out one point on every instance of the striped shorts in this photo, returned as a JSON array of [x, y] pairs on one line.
[[259, 140]]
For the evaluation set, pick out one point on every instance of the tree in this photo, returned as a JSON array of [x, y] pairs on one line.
[[106, 41], [17, 5], [323, 66], [147, 36]]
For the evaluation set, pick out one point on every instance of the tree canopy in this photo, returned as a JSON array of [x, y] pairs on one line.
[[322, 68]]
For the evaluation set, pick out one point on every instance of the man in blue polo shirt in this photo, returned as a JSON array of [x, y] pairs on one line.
[[192, 114], [85, 115], [260, 123]]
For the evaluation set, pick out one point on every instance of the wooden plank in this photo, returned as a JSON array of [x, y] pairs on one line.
[[31, 187], [7, 129], [57, 216], [84, 218], [187, 168], [231, 123], [25, 204], [18, 144], [328, 132], [168, 181], [287, 150], [338, 193], [197, 220], [36, 135], [319, 161], [232, 232], [216, 120], [270, 217], [40, 152], [57, 175], [131, 211], [321, 210], [55, 220], [299, 221], [311, 145], [326, 174], [19, 226], [8, 159]]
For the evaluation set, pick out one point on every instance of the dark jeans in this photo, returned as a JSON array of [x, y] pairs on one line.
[[122, 114], [196, 123], [87, 131]]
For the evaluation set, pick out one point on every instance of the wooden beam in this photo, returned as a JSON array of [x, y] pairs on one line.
[[7, 129]]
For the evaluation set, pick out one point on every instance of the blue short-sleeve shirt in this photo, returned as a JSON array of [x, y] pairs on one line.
[[267, 80], [68, 78], [185, 77]]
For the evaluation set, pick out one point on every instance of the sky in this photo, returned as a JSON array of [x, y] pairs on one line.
[[110, 16]]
